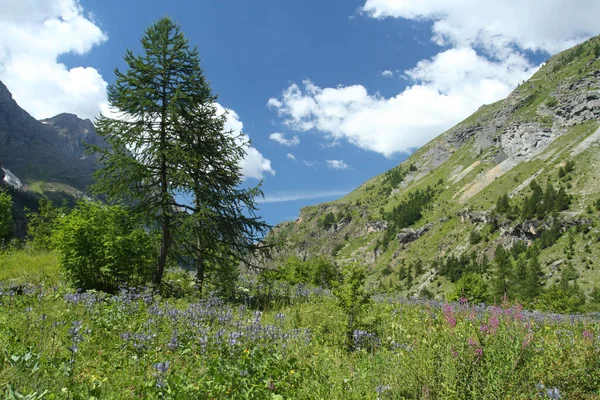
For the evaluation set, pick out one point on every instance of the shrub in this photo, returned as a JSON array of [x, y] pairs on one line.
[[472, 287], [43, 222], [352, 299], [102, 247], [474, 237], [6, 220], [551, 102]]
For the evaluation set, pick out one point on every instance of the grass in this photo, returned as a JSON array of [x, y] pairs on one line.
[[29, 266]]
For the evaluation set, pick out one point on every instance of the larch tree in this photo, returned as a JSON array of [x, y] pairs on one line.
[[167, 142]]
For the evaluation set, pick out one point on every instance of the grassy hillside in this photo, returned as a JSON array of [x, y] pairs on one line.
[[549, 120]]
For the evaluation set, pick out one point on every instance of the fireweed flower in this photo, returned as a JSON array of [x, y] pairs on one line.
[[449, 315]]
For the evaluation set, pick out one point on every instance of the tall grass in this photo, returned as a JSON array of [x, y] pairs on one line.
[[29, 266]]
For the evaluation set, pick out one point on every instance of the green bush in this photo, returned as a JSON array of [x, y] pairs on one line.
[[472, 287], [6, 220], [318, 271], [102, 247], [43, 222]]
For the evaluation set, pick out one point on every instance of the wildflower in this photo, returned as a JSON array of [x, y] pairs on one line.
[[587, 335], [162, 367], [472, 341], [479, 352], [449, 315], [381, 389], [454, 353]]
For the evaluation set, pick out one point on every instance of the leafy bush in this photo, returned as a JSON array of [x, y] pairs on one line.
[[318, 271], [43, 222], [353, 300], [102, 247], [326, 220], [472, 287]]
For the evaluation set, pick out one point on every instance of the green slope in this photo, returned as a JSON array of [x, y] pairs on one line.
[[548, 120]]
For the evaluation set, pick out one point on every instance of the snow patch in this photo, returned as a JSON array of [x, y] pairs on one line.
[[11, 179]]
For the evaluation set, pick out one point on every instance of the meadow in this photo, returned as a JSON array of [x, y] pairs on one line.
[[279, 342]]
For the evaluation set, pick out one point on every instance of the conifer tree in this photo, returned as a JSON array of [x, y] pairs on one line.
[[502, 274], [520, 277], [166, 139], [534, 278]]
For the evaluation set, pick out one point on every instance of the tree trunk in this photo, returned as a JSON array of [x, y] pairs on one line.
[[199, 269], [164, 251]]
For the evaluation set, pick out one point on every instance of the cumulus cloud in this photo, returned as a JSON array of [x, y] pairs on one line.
[[33, 34], [281, 139], [254, 165], [336, 164], [291, 156], [546, 25], [443, 91], [483, 60], [387, 73]]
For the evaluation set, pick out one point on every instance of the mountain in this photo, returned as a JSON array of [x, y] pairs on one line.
[[444, 207], [46, 156], [43, 158]]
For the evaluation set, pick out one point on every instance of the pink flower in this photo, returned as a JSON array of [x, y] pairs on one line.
[[479, 352], [454, 353], [494, 323], [588, 335], [472, 342], [449, 315]]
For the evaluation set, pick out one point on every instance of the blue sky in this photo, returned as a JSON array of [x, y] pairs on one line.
[[331, 93]]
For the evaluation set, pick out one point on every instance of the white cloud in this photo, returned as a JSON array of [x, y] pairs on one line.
[[336, 164], [294, 196], [291, 156], [442, 91], [33, 34], [281, 139], [387, 73], [546, 25], [448, 87], [254, 165]]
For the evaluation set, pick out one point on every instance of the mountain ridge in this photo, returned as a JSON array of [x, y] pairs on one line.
[[545, 122]]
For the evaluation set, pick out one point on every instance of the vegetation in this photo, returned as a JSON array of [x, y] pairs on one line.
[[58, 344], [103, 247], [169, 141], [77, 320], [6, 219]]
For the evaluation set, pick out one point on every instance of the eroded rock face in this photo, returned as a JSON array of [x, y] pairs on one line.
[[409, 235], [475, 217], [376, 226]]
